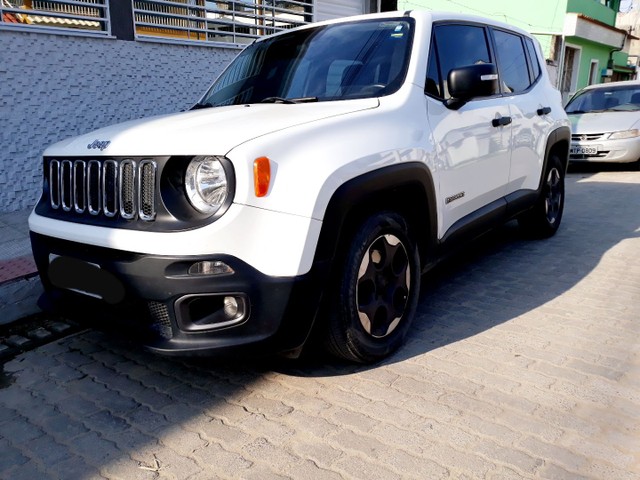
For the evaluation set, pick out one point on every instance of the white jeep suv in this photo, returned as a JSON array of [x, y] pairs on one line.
[[319, 177]]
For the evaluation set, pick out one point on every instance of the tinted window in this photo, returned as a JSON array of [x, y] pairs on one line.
[[459, 46], [512, 62], [535, 64]]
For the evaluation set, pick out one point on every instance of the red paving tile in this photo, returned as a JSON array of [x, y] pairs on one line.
[[16, 268]]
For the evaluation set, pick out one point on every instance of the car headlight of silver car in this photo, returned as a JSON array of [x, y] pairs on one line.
[[206, 184], [624, 134]]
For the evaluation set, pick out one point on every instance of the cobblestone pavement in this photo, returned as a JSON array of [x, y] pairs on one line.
[[524, 362]]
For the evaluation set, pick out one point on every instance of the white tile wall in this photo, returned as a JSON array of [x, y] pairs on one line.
[[56, 86]]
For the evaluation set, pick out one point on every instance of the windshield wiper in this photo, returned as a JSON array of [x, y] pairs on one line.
[[600, 110], [624, 108], [198, 106], [289, 100]]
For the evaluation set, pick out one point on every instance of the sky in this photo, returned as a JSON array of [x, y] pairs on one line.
[[626, 5]]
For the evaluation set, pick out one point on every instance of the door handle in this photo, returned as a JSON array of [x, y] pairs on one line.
[[544, 111], [501, 122]]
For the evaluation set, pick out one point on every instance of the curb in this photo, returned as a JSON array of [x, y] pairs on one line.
[[30, 332], [19, 298], [17, 268]]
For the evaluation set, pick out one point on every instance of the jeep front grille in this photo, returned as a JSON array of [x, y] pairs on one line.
[[125, 188]]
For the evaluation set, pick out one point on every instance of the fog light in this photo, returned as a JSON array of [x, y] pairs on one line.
[[210, 268], [209, 311], [231, 307]]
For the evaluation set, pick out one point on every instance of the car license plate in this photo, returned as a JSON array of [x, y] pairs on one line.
[[580, 150], [85, 278]]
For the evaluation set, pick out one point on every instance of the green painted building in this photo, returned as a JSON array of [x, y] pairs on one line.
[[578, 37]]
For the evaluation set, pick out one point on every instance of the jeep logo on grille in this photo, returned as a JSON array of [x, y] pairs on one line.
[[98, 144]]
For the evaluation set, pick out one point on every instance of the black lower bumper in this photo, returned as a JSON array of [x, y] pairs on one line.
[[154, 300]]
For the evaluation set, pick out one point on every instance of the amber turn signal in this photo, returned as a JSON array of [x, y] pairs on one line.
[[261, 176]]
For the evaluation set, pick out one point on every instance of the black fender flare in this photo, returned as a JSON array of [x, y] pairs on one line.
[[385, 188], [555, 138]]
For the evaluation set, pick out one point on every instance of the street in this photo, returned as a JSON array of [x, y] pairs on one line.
[[523, 362]]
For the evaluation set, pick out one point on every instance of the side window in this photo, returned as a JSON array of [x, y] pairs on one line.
[[512, 62], [459, 46], [535, 62]]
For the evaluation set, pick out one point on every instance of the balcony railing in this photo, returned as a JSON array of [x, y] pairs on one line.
[[84, 15], [229, 21]]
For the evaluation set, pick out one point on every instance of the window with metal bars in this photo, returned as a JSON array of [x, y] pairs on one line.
[[64, 15], [227, 21]]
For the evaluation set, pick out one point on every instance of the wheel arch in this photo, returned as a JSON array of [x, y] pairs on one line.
[[407, 189], [558, 143]]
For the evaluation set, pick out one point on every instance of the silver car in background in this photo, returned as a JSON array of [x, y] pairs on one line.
[[605, 123]]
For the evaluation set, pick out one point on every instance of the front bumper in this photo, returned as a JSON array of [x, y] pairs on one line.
[[154, 300], [608, 151]]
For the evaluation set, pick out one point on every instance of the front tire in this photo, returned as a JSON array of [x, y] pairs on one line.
[[375, 297], [543, 220]]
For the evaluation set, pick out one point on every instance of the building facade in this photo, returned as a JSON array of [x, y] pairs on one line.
[[594, 48], [629, 20], [71, 66]]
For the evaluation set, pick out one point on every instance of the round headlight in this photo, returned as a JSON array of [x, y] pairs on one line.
[[206, 184]]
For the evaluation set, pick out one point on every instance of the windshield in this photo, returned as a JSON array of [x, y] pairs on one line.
[[620, 99], [331, 62]]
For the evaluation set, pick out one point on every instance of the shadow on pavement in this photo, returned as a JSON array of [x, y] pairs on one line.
[[594, 167], [503, 274], [91, 404]]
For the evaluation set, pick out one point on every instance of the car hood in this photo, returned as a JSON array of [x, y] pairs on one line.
[[212, 131], [602, 122]]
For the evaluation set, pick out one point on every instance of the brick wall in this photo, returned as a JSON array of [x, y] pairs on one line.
[[57, 86]]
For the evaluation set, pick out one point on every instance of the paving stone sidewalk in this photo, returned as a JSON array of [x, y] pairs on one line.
[[524, 362], [19, 285]]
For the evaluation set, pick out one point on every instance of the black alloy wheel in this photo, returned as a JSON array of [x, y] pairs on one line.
[[377, 284]]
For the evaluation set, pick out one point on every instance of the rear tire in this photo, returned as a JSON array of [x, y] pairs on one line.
[[543, 220], [376, 291]]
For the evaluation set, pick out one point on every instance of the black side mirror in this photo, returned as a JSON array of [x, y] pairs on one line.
[[472, 81]]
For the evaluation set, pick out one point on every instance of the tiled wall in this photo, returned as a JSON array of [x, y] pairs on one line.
[[56, 86]]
